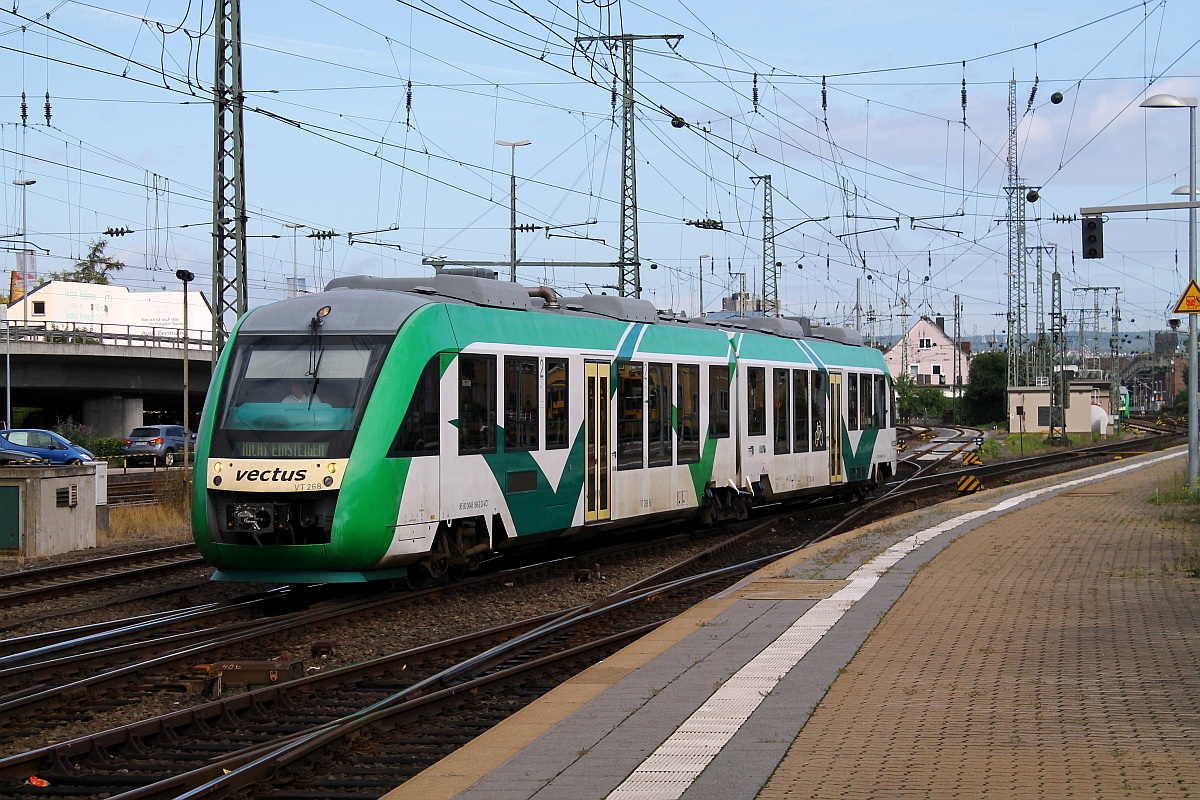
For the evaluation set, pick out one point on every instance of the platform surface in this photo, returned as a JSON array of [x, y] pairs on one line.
[[1035, 641]]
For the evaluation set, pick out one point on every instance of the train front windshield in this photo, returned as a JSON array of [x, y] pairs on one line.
[[297, 391]]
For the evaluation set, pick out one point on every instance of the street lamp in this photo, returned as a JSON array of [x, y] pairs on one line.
[[706, 255], [187, 277], [295, 282], [1171, 101], [24, 183], [512, 208]]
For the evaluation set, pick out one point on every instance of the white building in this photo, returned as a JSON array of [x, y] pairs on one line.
[[111, 312], [929, 357]]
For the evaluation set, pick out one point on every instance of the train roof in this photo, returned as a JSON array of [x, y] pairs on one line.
[[470, 287]]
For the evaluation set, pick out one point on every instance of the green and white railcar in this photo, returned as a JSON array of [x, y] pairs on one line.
[[402, 427]]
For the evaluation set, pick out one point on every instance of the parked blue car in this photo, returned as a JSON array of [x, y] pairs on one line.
[[47, 444]]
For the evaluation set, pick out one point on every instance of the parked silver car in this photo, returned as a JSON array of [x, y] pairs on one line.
[[158, 444]]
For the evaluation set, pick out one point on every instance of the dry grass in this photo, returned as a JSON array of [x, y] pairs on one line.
[[168, 520]]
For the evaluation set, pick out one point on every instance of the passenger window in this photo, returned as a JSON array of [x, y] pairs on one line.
[[520, 403], [557, 428], [420, 430], [659, 441], [756, 401], [866, 417], [718, 402], [800, 426], [688, 409], [783, 403], [476, 404], [820, 399], [630, 416], [881, 398], [851, 401]]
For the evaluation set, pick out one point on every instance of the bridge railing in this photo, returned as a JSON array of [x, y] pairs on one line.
[[70, 332]]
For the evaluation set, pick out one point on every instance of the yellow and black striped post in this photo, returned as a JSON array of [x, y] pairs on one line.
[[972, 459], [968, 484]]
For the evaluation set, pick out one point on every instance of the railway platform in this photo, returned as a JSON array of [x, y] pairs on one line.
[[1040, 640]]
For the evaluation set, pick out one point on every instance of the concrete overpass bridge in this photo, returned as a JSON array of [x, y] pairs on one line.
[[112, 378]]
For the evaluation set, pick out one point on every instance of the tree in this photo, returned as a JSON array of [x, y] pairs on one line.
[[92, 268], [986, 397], [920, 402]]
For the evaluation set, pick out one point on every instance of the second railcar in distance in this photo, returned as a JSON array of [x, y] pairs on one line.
[[389, 428]]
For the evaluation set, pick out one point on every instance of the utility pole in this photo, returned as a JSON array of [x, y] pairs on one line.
[[1060, 393], [957, 366], [229, 175], [770, 280], [629, 282]]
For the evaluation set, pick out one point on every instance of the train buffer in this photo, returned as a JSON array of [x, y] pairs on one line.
[[968, 484]]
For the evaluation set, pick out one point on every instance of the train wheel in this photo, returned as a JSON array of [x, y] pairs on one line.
[[438, 563]]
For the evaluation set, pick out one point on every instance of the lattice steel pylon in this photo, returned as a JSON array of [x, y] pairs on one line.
[[229, 187], [630, 283], [1018, 293], [770, 275]]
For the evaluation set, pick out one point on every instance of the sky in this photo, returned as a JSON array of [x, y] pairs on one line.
[[380, 119]]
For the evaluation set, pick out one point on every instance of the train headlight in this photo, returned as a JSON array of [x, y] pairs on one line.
[[331, 467], [328, 480], [217, 467]]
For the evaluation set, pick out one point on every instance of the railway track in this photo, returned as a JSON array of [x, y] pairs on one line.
[[471, 682], [25, 586]]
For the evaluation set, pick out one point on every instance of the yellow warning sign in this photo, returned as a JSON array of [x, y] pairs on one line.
[[1189, 303]]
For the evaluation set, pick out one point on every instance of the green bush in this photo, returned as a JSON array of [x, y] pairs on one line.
[[106, 446]]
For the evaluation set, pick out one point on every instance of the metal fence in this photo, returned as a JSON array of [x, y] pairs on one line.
[[67, 332]]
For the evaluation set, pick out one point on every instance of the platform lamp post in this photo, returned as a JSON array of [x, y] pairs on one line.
[[1171, 101], [295, 281], [512, 208], [706, 255], [186, 277], [24, 183], [7, 369]]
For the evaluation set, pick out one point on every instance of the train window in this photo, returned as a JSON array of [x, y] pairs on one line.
[[801, 425], [866, 415], [476, 404], [520, 403], [851, 401], [419, 430], [820, 406], [557, 430], [688, 410], [265, 370], [660, 444], [630, 416], [718, 402], [881, 398], [783, 406], [756, 401]]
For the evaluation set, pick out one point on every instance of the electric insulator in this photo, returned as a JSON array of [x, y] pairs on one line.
[[24, 110], [824, 96], [754, 92], [47, 108]]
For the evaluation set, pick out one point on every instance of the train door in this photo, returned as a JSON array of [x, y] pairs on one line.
[[596, 440], [835, 427]]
